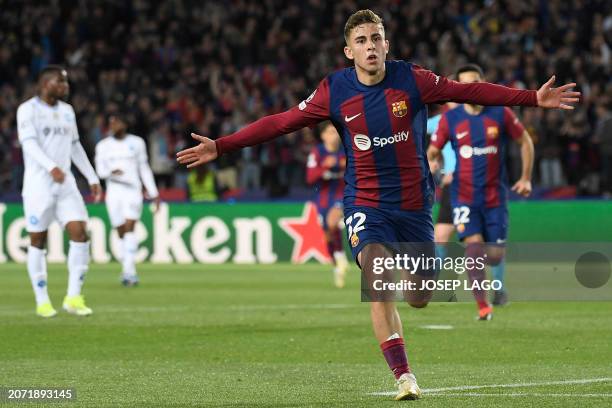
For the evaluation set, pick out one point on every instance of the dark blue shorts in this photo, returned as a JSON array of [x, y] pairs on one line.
[[367, 225], [492, 223], [324, 210]]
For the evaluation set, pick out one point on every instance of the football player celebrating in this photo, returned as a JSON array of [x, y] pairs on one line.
[[379, 108]]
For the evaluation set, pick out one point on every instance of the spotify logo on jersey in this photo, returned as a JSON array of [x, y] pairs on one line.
[[362, 142], [465, 151]]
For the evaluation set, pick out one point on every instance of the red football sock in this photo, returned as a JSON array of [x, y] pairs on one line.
[[477, 274], [330, 249], [395, 354], [337, 240]]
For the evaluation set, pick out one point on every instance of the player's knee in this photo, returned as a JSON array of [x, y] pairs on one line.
[[38, 241], [474, 250], [79, 236], [418, 304], [418, 299], [494, 258]]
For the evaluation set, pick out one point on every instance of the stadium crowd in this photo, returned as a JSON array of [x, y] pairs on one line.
[[212, 67]]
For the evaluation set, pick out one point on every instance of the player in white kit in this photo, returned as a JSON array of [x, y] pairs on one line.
[[50, 143], [121, 159]]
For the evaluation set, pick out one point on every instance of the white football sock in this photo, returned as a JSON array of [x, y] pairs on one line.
[[340, 258], [130, 246], [37, 269], [78, 264]]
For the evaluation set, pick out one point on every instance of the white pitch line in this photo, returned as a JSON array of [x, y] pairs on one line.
[[437, 327], [293, 306], [515, 385]]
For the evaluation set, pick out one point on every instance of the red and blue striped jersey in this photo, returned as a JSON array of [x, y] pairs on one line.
[[325, 169], [382, 126], [480, 143]]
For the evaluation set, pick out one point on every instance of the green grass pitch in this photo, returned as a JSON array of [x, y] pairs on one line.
[[281, 335]]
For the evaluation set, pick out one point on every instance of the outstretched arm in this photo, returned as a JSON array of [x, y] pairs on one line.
[[437, 89], [313, 110]]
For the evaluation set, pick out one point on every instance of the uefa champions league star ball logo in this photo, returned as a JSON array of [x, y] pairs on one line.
[[362, 142]]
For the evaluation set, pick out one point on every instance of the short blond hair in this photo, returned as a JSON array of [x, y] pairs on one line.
[[358, 18]]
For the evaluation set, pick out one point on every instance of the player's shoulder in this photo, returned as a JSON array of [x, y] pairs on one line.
[[339, 75], [65, 106], [400, 65], [105, 141], [498, 113], [132, 138], [27, 105], [454, 112]]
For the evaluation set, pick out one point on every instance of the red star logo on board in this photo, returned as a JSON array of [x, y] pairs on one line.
[[308, 236]]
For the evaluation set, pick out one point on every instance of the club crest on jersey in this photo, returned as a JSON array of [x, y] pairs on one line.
[[354, 240], [399, 109], [492, 132]]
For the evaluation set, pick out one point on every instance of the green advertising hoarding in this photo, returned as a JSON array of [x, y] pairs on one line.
[[272, 232]]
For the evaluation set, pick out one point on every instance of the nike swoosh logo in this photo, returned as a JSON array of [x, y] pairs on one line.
[[461, 135], [349, 118]]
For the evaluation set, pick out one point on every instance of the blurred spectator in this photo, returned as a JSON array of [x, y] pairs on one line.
[[202, 185], [160, 155], [603, 137], [177, 66], [249, 169]]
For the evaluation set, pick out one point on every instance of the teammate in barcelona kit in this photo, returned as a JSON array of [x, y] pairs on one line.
[[121, 160], [325, 167], [443, 228], [50, 143], [379, 109], [479, 136]]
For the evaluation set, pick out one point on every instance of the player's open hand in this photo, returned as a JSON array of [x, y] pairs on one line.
[[58, 175], [434, 166], [549, 97], [522, 187], [96, 191], [203, 153], [447, 179], [156, 202]]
